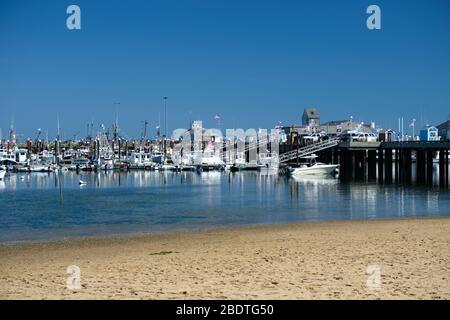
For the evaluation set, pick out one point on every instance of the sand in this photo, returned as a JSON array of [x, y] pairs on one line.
[[326, 260]]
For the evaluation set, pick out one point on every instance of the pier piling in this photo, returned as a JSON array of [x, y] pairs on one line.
[[388, 166], [381, 165], [358, 161]]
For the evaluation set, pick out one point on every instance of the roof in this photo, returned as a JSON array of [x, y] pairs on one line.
[[445, 125], [428, 127], [311, 113], [334, 122]]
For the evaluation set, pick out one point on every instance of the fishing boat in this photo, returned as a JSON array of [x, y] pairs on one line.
[[121, 165], [140, 160], [81, 164], [104, 163], [158, 156], [312, 167]]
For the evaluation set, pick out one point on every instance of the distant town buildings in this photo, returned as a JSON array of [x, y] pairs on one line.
[[429, 133], [337, 127]]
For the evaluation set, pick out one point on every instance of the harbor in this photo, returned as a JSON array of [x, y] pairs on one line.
[[359, 153], [224, 150], [166, 184]]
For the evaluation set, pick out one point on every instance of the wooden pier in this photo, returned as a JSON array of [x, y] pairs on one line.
[[389, 162]]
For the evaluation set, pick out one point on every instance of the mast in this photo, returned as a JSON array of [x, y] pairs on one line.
[[144, 131], [165, 115], [165, 126]]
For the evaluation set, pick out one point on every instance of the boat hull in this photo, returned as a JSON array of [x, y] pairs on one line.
[[317, 170]]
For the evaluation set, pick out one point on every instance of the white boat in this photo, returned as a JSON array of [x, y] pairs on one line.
[[80, 164], [314, 168], [166, 167], [212, 160], [104, 163], [2, 174], [158, 157], [140, 160], [36, 168]]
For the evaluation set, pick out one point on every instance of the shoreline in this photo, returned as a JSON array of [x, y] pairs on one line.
[[305, 260], [125, 236]]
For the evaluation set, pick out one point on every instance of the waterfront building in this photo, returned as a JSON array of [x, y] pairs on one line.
[[429, 133], [444, 129], [311, 118]]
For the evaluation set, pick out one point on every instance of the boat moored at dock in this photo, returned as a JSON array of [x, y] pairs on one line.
[[313, 168]]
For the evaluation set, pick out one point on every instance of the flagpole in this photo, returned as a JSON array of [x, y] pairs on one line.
[[403, 134]]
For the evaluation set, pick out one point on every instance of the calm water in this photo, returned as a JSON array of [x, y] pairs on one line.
[[47, 206]]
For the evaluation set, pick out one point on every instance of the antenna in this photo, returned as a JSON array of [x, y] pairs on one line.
[[11, 129], [116, 125], [58, 133], [12, 122], [144, 131], [158, 127], [165, 115]]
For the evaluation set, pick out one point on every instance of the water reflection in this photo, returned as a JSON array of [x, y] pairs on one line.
[[42, 205]]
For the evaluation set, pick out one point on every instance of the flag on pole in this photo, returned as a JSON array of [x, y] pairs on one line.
[[412, 123]]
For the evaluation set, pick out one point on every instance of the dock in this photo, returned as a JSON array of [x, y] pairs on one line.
[[389, 162]]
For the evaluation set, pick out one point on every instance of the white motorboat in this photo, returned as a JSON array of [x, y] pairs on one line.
[[314, 168]]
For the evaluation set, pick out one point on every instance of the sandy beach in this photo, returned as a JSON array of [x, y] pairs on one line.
[[327, 260]]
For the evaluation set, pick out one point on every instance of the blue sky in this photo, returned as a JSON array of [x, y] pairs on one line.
[[253, 62]]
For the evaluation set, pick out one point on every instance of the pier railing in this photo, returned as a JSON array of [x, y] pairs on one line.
[[308, 150]]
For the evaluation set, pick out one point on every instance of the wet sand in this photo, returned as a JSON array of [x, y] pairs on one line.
[[326, 260]]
